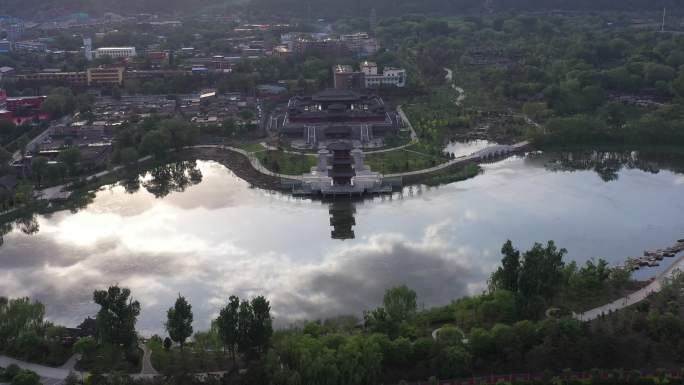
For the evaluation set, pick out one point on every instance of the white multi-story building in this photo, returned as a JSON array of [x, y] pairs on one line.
[[115, 52], [390, 77]]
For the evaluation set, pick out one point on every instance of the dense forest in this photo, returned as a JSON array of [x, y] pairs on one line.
[[319, 8], [49, 9], [335, 9], [581, 78]]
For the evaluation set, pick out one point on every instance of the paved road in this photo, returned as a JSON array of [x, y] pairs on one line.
[[414, 136], [71, 362], [42, 370], [461, 92], [56, 376], [655, 286], [147, 368]]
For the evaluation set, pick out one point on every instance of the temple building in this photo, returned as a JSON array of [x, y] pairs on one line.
[[340, 170], [333, 115]]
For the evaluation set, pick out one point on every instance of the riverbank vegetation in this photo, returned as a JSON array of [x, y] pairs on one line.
[[453, 174], [14, 375], [412, 158], [566, 78], [27, 335], [286, 163], [522, 323]]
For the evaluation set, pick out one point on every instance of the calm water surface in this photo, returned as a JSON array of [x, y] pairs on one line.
[[220, 237]]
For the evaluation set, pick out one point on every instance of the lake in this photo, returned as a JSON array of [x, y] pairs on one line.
[[196, 229]]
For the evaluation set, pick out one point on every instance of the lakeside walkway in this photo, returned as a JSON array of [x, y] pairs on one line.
[[61, 191], [633, 298]]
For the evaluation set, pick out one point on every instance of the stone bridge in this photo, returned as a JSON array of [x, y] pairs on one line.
[[494, 152], [486, 154]]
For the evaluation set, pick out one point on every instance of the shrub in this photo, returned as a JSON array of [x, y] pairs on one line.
[[26, 377], [12, 371]]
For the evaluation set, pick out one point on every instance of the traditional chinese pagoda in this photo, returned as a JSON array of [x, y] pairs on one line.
[[342, 167], [341, 171]]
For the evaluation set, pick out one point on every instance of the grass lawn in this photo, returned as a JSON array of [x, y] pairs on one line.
[[462, 173], [284, 163], [252, 147], [408, 159], [189, 361], [108, 358]]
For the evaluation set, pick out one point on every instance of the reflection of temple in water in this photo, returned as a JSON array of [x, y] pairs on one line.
[[342, 219]]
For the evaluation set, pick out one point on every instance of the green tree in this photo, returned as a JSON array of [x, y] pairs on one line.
[[26, 377], [506, 276], [456, 363], [19, 317], [228, 325], [678, 85], [57, 105], [155, 143], [129, 156], [245, 323], [400, 352], [39, 166], [179, 321], [378, 321], [117, 316], [541, 272], [657, 72], [400, 303], [262, 328], [70, 157], [180, 133], [86, 346]]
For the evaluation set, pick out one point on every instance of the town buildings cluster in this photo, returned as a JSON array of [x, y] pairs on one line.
[[20, 110], [358, 44], [111, 62], [368, 76]]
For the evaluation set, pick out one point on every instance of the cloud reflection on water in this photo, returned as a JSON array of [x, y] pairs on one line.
[[220, 238]]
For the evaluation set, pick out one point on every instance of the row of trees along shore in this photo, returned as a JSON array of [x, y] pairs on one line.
[[521, 323]]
